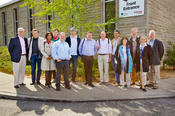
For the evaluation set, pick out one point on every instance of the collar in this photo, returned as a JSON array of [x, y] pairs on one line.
[[21, 37], [73, 37], [143, 45], [48, 41]]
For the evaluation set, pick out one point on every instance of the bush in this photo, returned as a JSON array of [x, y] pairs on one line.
[[6, 67], [6, 63], [170, 56]]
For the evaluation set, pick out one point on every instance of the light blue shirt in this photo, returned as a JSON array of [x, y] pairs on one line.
[[61, 50], [151, 42], [73, 47], [114, 46], [106, 48], [88, 48]]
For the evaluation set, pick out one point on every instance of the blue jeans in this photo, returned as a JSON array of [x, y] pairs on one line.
[[74, 61], [35, 60], [115, 68]]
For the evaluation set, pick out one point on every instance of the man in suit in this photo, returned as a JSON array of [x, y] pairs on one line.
[[18, 52], [35, 56], [73, 40], [134, 43], [158, 52]]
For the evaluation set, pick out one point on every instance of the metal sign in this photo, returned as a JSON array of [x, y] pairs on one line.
[[128, 8]]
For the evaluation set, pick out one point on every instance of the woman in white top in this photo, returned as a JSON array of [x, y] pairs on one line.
[[48, 64]]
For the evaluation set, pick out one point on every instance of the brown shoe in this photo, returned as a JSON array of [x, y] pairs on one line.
[[67, 86], [155, 87]]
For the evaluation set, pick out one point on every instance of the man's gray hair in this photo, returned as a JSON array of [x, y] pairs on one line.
[[151, 31], [62, 33], [73, 29], [134, 29], [20, 29]]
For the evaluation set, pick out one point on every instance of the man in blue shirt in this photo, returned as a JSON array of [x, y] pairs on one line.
[[87, 49], [61, 53]]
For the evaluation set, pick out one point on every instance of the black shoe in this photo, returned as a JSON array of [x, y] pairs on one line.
[[38, 83], [91, 85], [144, 89], [32, 83], [22, 84], [16, 86], [57, 88], [85, 83]]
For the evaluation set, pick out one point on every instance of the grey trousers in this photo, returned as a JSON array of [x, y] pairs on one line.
[[143, 75], [154, 74], [19, 71], [103, 62]]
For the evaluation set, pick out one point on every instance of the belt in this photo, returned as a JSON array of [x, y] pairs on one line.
[[103, 54], [23, 54], [64, 60]]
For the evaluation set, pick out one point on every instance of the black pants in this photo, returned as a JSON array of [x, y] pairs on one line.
[[62, 66]]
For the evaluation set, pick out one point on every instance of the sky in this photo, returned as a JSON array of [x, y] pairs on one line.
[[4, 1]]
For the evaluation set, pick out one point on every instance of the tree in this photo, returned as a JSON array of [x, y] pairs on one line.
[[66, 14]]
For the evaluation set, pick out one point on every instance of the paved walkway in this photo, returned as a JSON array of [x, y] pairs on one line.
[[81, 92]]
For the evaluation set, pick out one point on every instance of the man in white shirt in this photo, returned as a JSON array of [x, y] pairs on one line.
[[73, 40], [104, 57]]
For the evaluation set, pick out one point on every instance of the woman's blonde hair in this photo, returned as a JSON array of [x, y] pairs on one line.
[[145, 38]]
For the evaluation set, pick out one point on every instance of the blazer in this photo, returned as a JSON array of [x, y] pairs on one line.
[[131, 47], [68, 40], [146, 58], [158, 52], [40, 41], [15, 49]]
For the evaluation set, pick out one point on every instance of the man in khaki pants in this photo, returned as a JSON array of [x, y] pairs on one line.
[[158, 51], [18, 52], [104, 57]]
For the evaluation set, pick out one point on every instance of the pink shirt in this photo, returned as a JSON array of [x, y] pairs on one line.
[[22, 42]]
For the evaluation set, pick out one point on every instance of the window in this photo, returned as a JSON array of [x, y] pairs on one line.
[[30, 22], [110, 13], [15, 20], [4, 31]]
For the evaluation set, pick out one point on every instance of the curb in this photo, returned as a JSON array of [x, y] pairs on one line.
[[12, 96]]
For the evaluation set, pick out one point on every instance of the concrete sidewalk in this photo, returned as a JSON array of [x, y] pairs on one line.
[[82, 93]]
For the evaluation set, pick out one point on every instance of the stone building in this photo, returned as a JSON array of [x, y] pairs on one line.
[[154, 14]]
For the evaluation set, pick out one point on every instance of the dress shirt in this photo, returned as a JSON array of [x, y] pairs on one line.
[[73, 45], [88, 47], [22, 42], [151, 42], [105, 47], [61, 50]]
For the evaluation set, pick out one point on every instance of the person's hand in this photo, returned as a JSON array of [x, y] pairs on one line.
[[58, 60], [109, 59], [98, 47], [68, 59], [49, 58]]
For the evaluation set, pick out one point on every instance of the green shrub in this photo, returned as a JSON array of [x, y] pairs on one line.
[[170, 56], [6, 63]]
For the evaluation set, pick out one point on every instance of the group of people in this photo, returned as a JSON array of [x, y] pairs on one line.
[[134, 60]]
